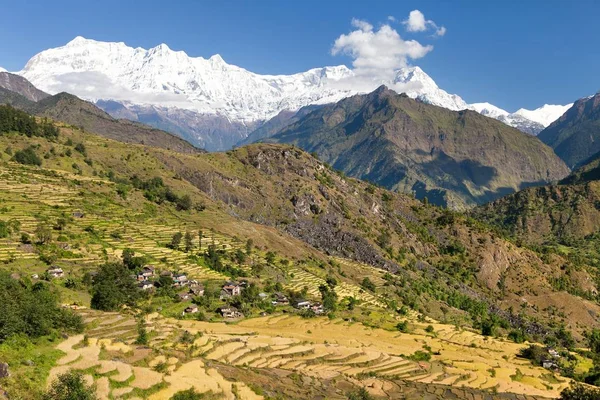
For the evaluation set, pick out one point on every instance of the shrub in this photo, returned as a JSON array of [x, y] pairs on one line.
[[27, 156], [70, 386]]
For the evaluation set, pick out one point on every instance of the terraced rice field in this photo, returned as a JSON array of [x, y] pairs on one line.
[[319, 348]]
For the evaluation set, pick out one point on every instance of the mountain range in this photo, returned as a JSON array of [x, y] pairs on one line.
[[67, 108], [453, 158], [216, 105]]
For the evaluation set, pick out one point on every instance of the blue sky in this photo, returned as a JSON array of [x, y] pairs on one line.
[[513, 53]]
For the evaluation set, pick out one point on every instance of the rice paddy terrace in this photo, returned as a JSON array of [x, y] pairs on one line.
[[334, 355]]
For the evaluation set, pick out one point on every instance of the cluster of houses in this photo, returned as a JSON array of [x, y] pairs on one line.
[[551, 363], [315, 307], [146, 281]]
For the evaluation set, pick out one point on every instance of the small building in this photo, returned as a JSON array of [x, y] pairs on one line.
[[145, 285], [231, 289], [193, 309], [184, 296], [549, 364], [35, 276], [263, 296], [180, 280], [196, 290], [230, 312], [148, 271], [553, 353], [166, 273], [55, 272], [317, 308], [78, 214], [279, 299], [303, 304]]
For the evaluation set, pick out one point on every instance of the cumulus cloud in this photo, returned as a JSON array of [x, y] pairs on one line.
[[416, 22], [377, 52]]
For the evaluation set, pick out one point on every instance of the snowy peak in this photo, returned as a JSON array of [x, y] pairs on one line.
[[489, 110], [544, 115], [171, 82]]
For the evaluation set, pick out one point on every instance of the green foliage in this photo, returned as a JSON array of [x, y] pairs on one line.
[[191, 394], [80, 147], [360, 394], [420, 355], [176, 240], [402, 326], [329, 297], [188, 244], [27, 156], [184, 203], [13, 120], [70, 386], [32, 310], [113, 287], [142, 337], [368, 284], [577, 391]]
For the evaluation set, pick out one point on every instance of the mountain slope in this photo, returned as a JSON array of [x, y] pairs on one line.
[[70, 109], [20, 85], [564, 217], [207, 101], [452, 158], [575, 136]]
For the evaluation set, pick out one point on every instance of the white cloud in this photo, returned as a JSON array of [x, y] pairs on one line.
[[416, 22], [377, 52]]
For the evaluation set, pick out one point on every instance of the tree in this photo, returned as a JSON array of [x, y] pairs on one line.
[[360, 394], [142, 337], [184, 203], [127, 256], [249, 246], [270, 257], [43, 234], [329, 297], [32, 309], [200, 236], [176, 240], [188, 240], [189, 394], [368, 284], [577, 391], [27, 156], [113, 287], [70, 386]]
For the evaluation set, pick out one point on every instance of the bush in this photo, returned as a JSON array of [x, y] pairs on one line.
[[578, 391], [33, 310], [27, 156], [70, 386], [113, 287]]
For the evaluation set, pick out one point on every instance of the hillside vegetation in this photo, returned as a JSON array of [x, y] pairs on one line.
[[413, 297], [455, 159]]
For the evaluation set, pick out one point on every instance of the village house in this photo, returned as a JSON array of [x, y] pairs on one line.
[[549, 364], [317, 308], [193, 309], [55, 272], [196, 290], [180, 280], [184, 296], [148, 271], [231, 289], [279, 299], [303, 304], [166, 273], [553, 353], [230, 312], [78, 214], [146, 285]]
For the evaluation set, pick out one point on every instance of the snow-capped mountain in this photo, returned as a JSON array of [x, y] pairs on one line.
[[544, 115], [209, 102], [2, 69]]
